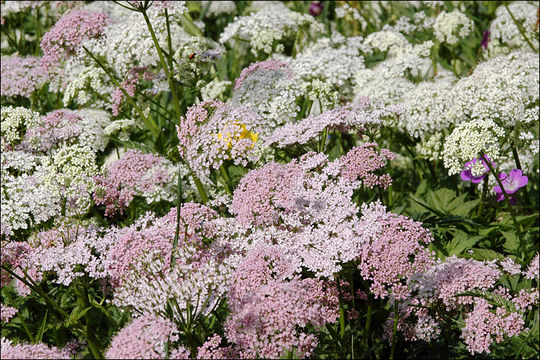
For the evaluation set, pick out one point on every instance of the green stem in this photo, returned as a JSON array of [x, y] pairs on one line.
[[341, 310], [226, 179], [147, 120], [89, 331], [367, 324], [33, 286], [394, 331], [483, 197], [520, 28], [38, 30], [323, 140], [200, 189], [199, 185], [510, 208], [178, 209], [19, 315], [166, 68]]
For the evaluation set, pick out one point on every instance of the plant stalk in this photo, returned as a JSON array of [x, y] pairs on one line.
[[510, 208]]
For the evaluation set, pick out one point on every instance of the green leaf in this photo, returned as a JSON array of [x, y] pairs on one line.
[[465, 208], [441, 198], [39, 335], [450, 206], [424, 205], [77, 314], [485, 254], [493, 299], [461, 242], [189, 26], [512, 241]]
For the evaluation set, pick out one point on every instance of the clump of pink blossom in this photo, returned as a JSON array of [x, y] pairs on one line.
[[21, 76], [263, 65], [445, 280], [212, 349], [483, 326], [32, 351], [352, 116], [144, 338], [147, 234], [533, 271], [58, 126], [69, 251], [213, 132], [69, 32], [129, 85], [268, 312], [263, 192], [150, 234], [306, 207], [14, 255], [7, 312], [395, 248], [134, 174], [362, 162]]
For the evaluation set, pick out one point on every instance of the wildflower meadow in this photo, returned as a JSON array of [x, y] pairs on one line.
[[270, 179]]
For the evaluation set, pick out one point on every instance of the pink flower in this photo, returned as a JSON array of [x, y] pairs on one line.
[[67, 35], [270, 306], [466, 174], [511, 182], [32, 351], [362, 162], [145, 338], [262, 65], [315, 8]]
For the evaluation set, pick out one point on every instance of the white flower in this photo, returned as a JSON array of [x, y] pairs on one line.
[[468, 141], [450, 27], [267, 29]]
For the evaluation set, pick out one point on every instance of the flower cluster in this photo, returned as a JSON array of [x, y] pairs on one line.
[[134, 174], [259, 324], [145, 338], [395, 249], [450, 27], [471, 140], [352, 116], [69, 33], [21, 76], [362, 161], [267, 31], [32, 351], [213, 132]]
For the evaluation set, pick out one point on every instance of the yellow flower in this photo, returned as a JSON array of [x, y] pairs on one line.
[[237, 135]]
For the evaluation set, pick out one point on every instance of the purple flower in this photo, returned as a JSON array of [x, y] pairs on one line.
[[315, 8], [485, 39], [511, 182], [466, 174]]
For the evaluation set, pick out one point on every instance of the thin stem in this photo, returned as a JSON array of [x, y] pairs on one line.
[[199, 185], [507, 199], [166, 69], [394, 331], [147, 120], [520, 28], [178, 209], [341, 310], [367, 324], [226, 179], [483, 197], [89, 331]]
